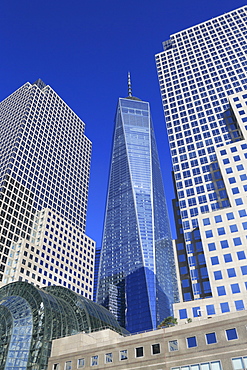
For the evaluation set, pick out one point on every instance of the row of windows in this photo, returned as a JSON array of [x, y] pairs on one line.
[[68, 254], [210, 309], [229, 216], [186, 51], [87, 258], [222, 230], [58, 272], [230, 41], [59, 237], [173, 345], [225, 244], [228, 258], [214, 365], [212, 87], [67, 229], [210, 338], [109, 358]]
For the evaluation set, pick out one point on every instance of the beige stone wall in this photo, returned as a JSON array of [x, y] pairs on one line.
[[84, 346]]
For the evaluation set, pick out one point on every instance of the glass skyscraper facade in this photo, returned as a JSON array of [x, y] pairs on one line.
[[202, 75], [44, 176], [137, 277]]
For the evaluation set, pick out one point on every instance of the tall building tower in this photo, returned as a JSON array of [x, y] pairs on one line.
[[44, 174], [137, 276], [202, 75]]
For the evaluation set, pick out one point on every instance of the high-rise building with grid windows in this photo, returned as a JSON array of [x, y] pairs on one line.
[[44, 174], [203, 78], [136, 278]]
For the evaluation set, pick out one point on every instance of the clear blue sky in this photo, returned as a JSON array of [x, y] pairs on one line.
[[84, 49]]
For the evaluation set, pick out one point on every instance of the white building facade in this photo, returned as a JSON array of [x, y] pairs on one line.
[[44, 176], [202, 75]]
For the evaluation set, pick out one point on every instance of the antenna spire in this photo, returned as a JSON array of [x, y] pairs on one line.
[[129, 86]]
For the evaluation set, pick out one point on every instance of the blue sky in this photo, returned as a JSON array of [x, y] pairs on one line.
[[84, 49]]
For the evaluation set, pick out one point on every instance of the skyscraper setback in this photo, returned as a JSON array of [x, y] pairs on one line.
[[136, 277], [202, 75], [44, 175]]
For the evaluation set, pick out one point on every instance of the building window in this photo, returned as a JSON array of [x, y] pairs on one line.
[[209, 233], [239, 305], [210, 309], [218, 219], [230, 216], [155, 349], [242, 213], [80, 363], [206, 221], [108, 357], [217, 275], [237, 241], [215, 365], [233, 228], [211, 247], [68, 365], [221, 231], [227, 257], [139, 352], [183, 313], [241, 255], [196, 311], [211, 338], [231, 334], [238, 201], [221, 290], [239, 363], [55, 367], [191, 342], [235, 288], [224, 307], [173, 345], [244, 270], [123, 355], [231, 272], [94, 360], [224, 244], [215, 260]]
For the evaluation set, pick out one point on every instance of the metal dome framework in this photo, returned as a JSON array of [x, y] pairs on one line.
[[30, 318]]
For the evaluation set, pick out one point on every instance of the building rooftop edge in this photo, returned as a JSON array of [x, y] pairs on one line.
[[199, 24]]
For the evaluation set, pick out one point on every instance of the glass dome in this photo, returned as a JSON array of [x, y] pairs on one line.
[[30, 318]]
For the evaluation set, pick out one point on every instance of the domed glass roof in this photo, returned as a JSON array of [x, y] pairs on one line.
[[30, 318]]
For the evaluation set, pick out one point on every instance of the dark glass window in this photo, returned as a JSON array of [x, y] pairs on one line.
[[155, 348], [139, 352]]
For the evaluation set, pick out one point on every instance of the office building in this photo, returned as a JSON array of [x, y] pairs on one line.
[[44, 175], [136, 277], [96, 272], [214, 344], [203, 82]]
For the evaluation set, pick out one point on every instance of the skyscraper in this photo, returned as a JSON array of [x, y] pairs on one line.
[[202, 75], [44, 174], [136, 277]]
